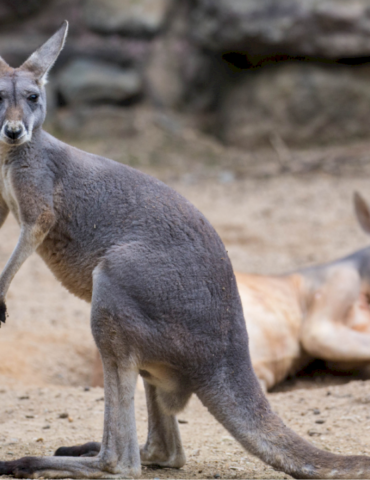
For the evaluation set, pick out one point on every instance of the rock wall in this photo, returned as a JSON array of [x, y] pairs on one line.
[[299, 103], [247, 71], [297, 69], [322, 28]]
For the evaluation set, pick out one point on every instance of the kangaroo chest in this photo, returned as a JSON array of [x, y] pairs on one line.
[[7, 191]]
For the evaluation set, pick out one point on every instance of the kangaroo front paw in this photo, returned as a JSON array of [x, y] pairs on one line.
[[3, 312], [89, 449]]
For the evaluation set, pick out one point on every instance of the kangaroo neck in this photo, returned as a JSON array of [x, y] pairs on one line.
[[302, 287], [24, 153]]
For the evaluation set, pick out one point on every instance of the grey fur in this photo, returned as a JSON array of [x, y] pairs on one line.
[[163, 294]]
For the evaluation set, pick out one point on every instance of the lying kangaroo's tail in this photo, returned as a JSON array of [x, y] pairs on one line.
[[235, 398]]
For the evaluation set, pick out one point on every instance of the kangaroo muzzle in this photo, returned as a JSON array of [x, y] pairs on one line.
[[13, 131]]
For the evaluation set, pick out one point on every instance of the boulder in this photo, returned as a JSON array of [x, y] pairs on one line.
[[127, 17], [44, 18], [95, 121], [324, 28], [163, 72], [297, 103], [165, 68], [18, 9], [89, 81]]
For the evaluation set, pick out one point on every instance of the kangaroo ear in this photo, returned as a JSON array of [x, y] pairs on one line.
[[41, 61], [362, 212]]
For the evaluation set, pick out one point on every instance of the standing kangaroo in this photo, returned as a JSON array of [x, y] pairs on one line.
[[164, 301]]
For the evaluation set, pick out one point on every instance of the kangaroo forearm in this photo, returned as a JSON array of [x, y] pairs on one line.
[[336, 343], [30, 238], [20, 254], [27, 244]]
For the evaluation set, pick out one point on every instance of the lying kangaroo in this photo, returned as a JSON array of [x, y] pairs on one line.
[[321, 312], [164, 297]]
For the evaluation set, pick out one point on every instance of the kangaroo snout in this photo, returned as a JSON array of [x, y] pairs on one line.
[[12, 132]]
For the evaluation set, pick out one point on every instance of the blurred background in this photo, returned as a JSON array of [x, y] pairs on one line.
[[257, 111], [251, 74]]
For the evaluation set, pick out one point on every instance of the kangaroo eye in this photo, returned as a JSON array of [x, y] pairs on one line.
[[33, 97]]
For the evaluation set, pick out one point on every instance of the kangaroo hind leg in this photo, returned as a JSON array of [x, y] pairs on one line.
[[163, 446], [119, 455]]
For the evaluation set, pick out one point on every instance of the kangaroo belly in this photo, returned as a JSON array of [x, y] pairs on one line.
[[72, 271], [72, 257]]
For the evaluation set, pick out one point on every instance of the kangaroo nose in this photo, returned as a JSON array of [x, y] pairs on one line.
[[13, 133]]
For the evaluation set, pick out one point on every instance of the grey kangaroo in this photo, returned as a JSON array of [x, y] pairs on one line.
[[164, 300]]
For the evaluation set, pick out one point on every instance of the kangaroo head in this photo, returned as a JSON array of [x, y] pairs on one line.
[[22, 92], [362, 212]]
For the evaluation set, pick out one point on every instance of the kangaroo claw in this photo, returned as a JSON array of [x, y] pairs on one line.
[[3, 313]]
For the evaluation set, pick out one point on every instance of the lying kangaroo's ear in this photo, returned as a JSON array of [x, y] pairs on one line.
[[362, 212], [41, 61]]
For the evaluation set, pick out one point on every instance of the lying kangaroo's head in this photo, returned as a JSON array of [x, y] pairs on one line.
[[22, 92], [362, 212]]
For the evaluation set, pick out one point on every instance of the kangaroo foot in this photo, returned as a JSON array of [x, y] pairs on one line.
[[89, 449], [148, 456], [67, 467]]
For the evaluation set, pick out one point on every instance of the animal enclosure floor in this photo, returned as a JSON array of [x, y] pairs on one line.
[[269, 225], [37, 420]]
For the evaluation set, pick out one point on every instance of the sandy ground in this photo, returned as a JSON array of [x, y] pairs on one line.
[[270, 224], [336, 419]]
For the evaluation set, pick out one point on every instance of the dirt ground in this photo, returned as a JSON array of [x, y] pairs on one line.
[[270, 223]]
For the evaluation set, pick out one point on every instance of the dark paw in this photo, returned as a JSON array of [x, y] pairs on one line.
[[6, 468], [89, 449], [3, 313]]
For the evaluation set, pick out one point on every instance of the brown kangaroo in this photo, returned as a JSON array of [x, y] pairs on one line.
[[320, 312], [164, 299]]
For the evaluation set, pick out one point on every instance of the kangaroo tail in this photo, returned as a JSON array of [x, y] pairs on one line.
[[233, 395]]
